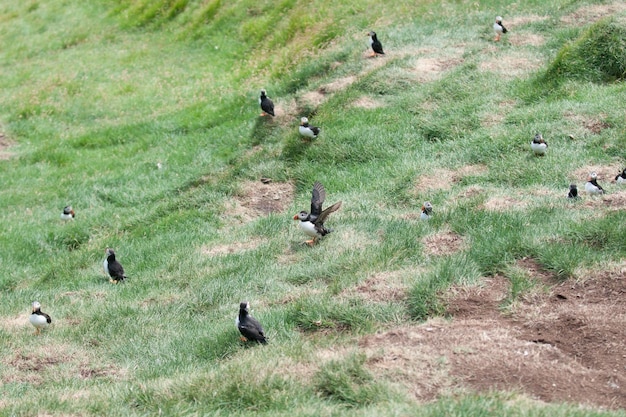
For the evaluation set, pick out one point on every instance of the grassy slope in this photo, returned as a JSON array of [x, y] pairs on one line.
[[95, 95]]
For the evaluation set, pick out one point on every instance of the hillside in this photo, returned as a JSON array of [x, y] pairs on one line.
[[143, 115]]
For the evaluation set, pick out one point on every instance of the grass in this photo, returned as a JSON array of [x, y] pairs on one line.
[[143, 116]]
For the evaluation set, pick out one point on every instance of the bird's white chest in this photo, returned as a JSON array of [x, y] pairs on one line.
[[424, 216], [621, 180], [38, 320], [105, 266], [306, 131], [309, 229], [497, 28], [592, 189], [538, 148], [66, 216], [237, 321]]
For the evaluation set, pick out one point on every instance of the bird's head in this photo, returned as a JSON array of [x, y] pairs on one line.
[[109, 252], [371, 33], [244, 306], [304, 121], [593, 176], [498, 19], [36, 306], [427, 207], [539, 138], [263, 92], [572, 186], [303, 215]]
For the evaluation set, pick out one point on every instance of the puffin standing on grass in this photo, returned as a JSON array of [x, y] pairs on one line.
[[539, 145], [68, 213], [427, 210], [267, 105], [499, 28], [621, 178], [377, 47], [313, 223], [248, 326], [591, 186], [112, 267], [38, 318], [307, 130], [573, 191]]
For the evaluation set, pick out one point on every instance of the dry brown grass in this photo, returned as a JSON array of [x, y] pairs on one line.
[[444, 179], [443, 243], [593, 13]]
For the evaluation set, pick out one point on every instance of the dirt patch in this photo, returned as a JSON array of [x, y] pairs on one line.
[[230, 248], [593, 13], [512, 64], [383, 287], [313, 98], [594, 124], [566, 345], [11, 323], [47, 363], [612, 201], [517, 21], [606, 174], [428, 69], [257, 199], [339, 84], [366, 102], [443, 179], [443, 243], [5, 143], [523, 39], [502, 204]]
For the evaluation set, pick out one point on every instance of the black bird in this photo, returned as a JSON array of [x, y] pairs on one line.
[[248, 326], [38, 318], [573, 191], [377, 47], [68, 213], [621, 178], [499, 28], [591, 186], [307, 130], [267, 105], [112, 267], [313, 223]]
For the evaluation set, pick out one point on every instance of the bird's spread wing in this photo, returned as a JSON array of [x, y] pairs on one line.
[[325, 213], [317, 199]]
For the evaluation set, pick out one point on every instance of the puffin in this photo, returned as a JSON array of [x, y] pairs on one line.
[[38, 318], [621, 178], [68, 213], [573, 191], [591, 186], [112, 267], [267, 105], [377, 47], [313, 223], [539, 145], [307, 130], [248, 326], [427, 210], [499, 28]]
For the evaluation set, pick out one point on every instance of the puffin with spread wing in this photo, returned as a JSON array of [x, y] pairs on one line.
[[313, 223]]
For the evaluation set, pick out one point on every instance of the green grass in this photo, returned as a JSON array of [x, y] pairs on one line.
[[97, 95]]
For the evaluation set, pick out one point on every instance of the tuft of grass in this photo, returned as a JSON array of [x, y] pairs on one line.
[[598, 55], [348, 382], [424, 297]]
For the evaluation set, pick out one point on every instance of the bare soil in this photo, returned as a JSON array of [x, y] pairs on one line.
[[562, 344], [257, 199]]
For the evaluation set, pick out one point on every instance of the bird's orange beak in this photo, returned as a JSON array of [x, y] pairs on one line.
[[295, 217]]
